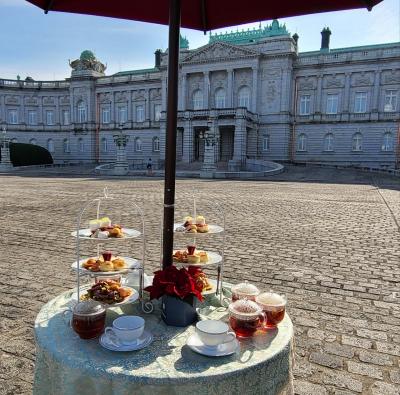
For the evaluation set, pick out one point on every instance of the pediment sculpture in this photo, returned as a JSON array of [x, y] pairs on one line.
[[87, 62]]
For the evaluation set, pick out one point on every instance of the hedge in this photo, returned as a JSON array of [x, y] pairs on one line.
[[29, 154]]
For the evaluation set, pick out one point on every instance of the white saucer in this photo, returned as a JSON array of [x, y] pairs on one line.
[[142, 342], [221, 350]]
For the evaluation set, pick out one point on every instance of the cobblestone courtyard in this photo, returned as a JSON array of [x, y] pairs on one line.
[[327, 238]]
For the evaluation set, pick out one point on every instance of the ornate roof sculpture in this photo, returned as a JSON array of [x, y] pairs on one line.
[[183, 42], [251, 36], [87, 65]]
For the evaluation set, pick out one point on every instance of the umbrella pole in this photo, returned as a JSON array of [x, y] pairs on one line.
[[170, 141]]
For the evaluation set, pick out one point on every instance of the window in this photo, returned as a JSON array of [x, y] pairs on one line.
[[105, 114], [139, 113], [244, 97], [360, 104], [156, 144], [104, 144], [357, 142], [328, 142], [66, 146], [220, 98], [265, 142], [332, 102], [302, 143], [197, 100], [305, 101], [50, 145], [32, 117], [390, 101], [49, 117], [13, 117], [157, 112], [81, 145], [33, 141], [387, 143], [81, 112], [122, 114], [66, 120], [138, 144]]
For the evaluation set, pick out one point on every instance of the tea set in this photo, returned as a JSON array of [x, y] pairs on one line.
[[249, 312]]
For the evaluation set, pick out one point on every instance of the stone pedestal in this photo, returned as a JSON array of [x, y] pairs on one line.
[[121, 167], [5, 164]]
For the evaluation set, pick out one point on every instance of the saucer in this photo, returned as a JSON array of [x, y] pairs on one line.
[[140, 343], [220, 350]]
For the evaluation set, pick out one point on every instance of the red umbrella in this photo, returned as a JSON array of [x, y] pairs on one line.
[[194, 14]]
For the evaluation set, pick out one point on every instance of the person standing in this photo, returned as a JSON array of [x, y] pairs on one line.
[[149, 167]]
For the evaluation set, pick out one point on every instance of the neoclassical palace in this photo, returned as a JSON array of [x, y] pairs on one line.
[[252, 89]]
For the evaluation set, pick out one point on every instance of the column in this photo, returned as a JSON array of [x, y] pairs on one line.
[[129, 113], [3, 115], [163, 131], [187, 140], [164, 93], [229, 93], [254, 90], [147, 109], [318, 97], [375, 97], [57, 115], [206, 89], [182, 102], [240, 138], [40, 115], [23, 115], [285, 90], [217, 152], [346, 94], [112, 109]]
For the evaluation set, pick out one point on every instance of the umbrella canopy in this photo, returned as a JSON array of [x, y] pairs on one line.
[[202, 14], [194, 14]]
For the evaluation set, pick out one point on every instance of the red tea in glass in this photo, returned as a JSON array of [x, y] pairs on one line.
[[107, 255], [88, 319], [245, 317], [191, 248], [244, 328], [244, 290], [273, 306]]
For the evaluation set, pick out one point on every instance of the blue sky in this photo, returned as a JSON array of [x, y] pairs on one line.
[[40, 45]]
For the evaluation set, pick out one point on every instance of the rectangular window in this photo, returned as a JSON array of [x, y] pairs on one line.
[[32, 118], [49, 117], [332, 102], [305, 101], [265, 143], [13, 117], [139, 113], [157, 112], [105, 115], [66, 117], [390, 101], [360, 104], [122, 114]]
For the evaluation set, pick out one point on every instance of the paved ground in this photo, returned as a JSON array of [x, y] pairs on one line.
[[329, 239]]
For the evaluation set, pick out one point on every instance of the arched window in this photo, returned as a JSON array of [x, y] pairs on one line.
[[265, 142], [197, 100], [244, 97], [357, 142], [14, 140], [81, 112], [138, 144], [220, 98], [66, 146], [387, 143], [328, 142], [81, 145], [156, 144], [104, 144], [302, 143], [50, 145], [33, 141]]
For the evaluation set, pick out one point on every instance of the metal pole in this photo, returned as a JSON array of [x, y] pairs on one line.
[[170, 146]]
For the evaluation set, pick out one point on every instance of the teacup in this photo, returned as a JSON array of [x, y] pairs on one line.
[[214, 332], [126, 329]]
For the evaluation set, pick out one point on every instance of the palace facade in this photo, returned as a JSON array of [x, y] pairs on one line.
[[253, 89]]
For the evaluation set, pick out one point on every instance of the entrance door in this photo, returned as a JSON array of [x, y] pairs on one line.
[[198, 147], [226, 145]]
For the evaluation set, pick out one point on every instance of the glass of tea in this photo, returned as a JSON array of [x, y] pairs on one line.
[[245, 317], [273, 306], [191, 248], [88, 319], [244, 290]]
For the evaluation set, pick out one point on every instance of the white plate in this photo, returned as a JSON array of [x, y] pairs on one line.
[[143, 342], [131, 263], [211, 229], [221, 350], [213, 259], [86, 234], [134, 296]]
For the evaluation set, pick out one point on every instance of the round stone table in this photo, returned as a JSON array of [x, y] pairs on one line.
[[68, 365]]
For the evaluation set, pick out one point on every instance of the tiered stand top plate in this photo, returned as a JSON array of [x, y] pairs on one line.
[[86, 235], [131, 263], [211, 230]]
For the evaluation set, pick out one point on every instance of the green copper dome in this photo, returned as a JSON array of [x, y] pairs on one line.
[[87, 55]]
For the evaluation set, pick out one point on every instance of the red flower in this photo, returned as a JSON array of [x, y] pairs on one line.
[[175, 282]]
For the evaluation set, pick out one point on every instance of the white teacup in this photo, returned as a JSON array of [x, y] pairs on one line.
[[214, 332], [126, 329]]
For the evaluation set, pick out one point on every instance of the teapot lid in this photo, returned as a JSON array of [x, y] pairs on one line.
[[88, 307], [245, 288], [245, 309]]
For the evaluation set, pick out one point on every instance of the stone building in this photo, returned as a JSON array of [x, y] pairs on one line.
[[253, 89]]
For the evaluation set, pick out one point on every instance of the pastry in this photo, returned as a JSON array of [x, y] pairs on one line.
[[191, 229], [193, 259], [94, 225], [105, 222], [106, 266], [119, 264], [200, 220], [188, 220], [203, 256], [115, 232], [202, 228]]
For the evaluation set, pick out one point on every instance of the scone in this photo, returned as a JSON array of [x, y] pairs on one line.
[[193, 259], [106, 266]]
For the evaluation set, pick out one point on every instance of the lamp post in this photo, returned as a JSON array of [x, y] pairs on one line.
[[210, 142], [121, 166], [5, 164]]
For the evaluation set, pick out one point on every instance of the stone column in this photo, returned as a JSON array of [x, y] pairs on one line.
[[206, 89], [318, 98], [164, 93], [286, 91], [5, 164], [346, 98], [187, 139], [182, 102], [129, 110], [254, 90], [240, 140], [113, 118], [375, 98], [147, 109], [229, 93]]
